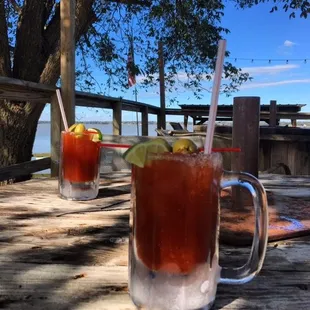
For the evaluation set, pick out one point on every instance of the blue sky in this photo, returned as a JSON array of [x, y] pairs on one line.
[[254, 34]]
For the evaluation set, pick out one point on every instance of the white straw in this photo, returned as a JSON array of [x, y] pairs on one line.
[[215, 96], [62, 110]]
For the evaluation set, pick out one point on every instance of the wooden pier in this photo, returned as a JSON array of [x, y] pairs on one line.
[[57, 254], [13, 89]]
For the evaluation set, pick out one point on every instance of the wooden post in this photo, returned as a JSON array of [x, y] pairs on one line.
[[294, 122], [158, 122], [162, 120], [56, 128], [145, 121], [67, 57], [273, 113], [117, 118], [245, 135], [185, 121]]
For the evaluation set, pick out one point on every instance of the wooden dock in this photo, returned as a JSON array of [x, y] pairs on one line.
[[57, 254]]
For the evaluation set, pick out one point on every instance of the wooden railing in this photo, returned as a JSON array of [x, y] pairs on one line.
[[13, 89]]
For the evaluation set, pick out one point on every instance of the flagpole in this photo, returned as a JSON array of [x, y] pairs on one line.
[[137, 115], [131, 76]]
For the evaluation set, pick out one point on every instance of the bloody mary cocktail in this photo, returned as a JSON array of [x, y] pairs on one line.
[[175, 227], [79, 169], [176, 212], [174, 220]]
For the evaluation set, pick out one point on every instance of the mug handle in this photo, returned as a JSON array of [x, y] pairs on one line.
[[254, 264]]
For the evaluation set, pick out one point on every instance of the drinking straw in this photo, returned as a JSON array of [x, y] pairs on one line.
[[62, 110], [215, 95]]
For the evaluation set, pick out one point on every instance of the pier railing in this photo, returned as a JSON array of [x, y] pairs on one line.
[[13, 89]]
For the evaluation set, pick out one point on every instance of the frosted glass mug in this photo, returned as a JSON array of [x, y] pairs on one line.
[[173, 250]]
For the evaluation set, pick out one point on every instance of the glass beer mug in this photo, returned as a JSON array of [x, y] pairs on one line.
[[173, 250]]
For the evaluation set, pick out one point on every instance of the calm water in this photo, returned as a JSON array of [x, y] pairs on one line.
[[42, 142]]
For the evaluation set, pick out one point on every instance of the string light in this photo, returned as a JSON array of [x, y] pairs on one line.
[[269, 60]]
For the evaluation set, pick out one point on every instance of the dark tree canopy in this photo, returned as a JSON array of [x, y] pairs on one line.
[[189, 30], [294, 8]]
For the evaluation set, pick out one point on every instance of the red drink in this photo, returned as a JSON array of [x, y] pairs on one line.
[[176, 211], [80, 157], [79, 166], [173, 248]]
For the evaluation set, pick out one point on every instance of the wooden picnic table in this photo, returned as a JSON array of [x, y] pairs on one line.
[[57, 254]]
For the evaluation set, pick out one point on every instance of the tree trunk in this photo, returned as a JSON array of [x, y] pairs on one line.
[[37, 59], [18, 127]]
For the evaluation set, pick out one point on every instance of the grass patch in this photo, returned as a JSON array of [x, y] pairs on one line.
[[41, 175], [41, 155]]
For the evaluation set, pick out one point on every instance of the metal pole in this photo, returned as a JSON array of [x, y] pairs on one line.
[[137, 115], [162, 114]]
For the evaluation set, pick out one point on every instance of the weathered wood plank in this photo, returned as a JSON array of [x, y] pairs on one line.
[[58, 254], [15, 89], [117, 118], [263, 114], [13, 171], [99, 101], [67, 58], [273, 113], [56, 127], [26, 85], [287, 185], [145, 121], [162, 89]]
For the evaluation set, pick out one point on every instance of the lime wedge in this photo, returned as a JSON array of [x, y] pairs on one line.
[[97, 136], [137, 153]]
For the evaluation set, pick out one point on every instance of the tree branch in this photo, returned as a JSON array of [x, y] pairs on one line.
[[134, 2], [51, 34], [49, 5], [84, 18], [16, 7], [5, 65]]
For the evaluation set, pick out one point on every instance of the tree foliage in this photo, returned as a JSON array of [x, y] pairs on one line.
[[295, 8], [30, 50], [189, 30]]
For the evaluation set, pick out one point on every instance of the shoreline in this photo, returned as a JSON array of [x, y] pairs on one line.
[[109, 122]]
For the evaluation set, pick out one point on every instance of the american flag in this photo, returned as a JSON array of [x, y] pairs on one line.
[[130, 67]]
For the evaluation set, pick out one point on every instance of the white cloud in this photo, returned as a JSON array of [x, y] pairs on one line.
[[269, 69], [277, 83], [288, 43]]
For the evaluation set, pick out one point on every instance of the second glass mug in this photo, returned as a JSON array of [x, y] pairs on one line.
[[173, 250]]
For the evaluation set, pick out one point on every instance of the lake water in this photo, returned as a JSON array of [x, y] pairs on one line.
[[42, 142]]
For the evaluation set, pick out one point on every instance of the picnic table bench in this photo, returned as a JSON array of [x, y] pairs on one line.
[[57, 254]]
